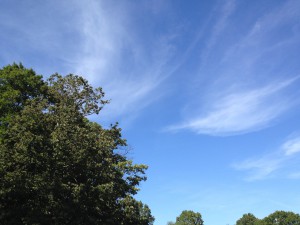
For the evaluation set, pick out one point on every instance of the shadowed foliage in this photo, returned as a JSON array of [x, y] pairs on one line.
[[56, 166]]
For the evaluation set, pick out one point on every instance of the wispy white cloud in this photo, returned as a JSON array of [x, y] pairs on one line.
[[292, 146], [278, 161], [105, 29], [39, 34], [113, 55], [226, 11], [240, 111], [108, 43], [260, 38], [260, 168], [241, 89], [280, 16]]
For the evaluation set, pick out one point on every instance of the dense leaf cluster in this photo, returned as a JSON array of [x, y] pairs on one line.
[[57, 167], [188, 217], [276, 218]]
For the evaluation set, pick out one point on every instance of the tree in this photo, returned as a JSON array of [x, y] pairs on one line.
[[135, 212], [282, 218], [247, 219], [17, 85], [56, 166], [276, 218], [188, 217]]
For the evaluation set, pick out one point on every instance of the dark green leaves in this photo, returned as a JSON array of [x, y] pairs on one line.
[[276, 218], [56, 166], [73, 89], [188, 217], [17, 86], [247, 219]]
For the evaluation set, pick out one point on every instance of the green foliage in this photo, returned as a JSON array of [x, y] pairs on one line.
[[56, 166], [188, 217], [276, 218], [135, 212], [281, 218], [247, 219], [17, 85]]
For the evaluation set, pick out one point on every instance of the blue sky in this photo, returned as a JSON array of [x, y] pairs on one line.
[[206, 92]]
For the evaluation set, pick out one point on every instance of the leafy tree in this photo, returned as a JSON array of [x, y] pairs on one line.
[[17, 85], [282, 218], [135, 212], [247, 219], [188, 217], [276, 218], [57, 167]]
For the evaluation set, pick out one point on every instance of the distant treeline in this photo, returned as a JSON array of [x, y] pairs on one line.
[[188, 217]]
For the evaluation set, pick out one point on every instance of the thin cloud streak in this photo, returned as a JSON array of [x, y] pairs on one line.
[[235, 100], [260, 168], [254, 42], [240, 112], [292, 146], [266, 166], [115, 58], [226, 11]]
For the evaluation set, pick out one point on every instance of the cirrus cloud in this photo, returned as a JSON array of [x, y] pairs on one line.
[[241, 111]]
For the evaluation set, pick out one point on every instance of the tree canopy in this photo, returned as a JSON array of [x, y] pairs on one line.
[[281, 218], [17, 85], [247, 219], [56, 166], [276, 218], [188, 217]]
